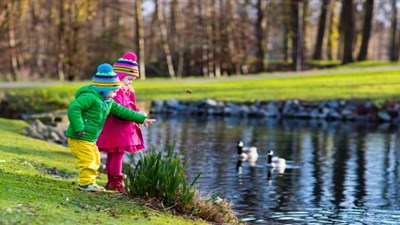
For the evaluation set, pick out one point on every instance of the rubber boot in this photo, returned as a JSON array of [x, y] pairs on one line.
[[116, 183], [120, 185]]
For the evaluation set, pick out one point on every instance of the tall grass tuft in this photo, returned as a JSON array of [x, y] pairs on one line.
[[160, 176]]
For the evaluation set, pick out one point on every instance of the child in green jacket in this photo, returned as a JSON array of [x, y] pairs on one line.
[[87, 114]]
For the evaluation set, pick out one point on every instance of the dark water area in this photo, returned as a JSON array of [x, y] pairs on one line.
[[336, 173]]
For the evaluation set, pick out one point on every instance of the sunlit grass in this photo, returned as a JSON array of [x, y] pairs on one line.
[[377, 83], [30, 195], [368, 85]]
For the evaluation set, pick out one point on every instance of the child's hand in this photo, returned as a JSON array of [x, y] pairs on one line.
[[148, 122], [81, 133]]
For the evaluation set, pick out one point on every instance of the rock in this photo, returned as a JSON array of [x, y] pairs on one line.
[[314, 113], [348, 114], [156, 106], [302, 114], [333, 114], [45, 132], [211, 103], [244, 110], [232, 109], [332, 104], [290, 107], [384, 116], [323, 113], [172, 103], [271, 110]]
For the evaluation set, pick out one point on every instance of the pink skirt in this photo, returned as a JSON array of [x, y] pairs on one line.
[[131, 148]]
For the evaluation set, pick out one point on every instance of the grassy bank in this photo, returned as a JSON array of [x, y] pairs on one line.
[[38, 187], [377, 82]]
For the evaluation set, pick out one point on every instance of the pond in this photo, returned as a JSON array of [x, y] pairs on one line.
[[336, 173]]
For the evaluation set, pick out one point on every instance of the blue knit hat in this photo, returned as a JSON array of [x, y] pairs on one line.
[[105, 79]]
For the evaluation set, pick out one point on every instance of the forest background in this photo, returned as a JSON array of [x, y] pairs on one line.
[[67, 39]]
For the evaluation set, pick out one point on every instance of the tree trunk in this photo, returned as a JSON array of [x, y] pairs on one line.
[[61, 42], [348, 28], [164, 42], [217, 40], [369, 8], [178, 42], [73, 52], [209, 39], [192, 36], [297, 34], [12, 41], [140, 39], [203, 38], [245, 24], [287, 24], [393, 55], [321, 30], [333, 33], [305, 33], [232, 58], [261, 26]]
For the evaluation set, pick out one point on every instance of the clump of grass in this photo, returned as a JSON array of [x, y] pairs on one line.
[[160, 177]]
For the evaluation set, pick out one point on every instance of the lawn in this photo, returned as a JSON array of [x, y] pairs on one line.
[[38, 187], [377, 82]]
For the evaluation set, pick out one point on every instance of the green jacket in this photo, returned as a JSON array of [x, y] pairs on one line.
[[88, 112]]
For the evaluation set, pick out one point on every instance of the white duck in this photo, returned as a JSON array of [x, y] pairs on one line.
[[275, 162], [246, 153]]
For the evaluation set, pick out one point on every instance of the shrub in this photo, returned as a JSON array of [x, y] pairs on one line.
[[160, 177]]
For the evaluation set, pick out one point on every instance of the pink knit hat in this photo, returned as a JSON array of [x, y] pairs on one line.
[[126, 66]]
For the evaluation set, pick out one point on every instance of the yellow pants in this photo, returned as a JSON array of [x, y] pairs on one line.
[[88, 160]]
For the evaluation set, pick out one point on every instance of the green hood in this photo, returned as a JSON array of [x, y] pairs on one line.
[[88, 90]]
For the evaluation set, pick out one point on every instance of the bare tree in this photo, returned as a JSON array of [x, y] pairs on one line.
[[261, 26], [216, 38], [78, 14], [333, 32], [321, 29], [393, 54], [348, 28], [140, 45], [163, 33], [231, 59], [297, 29], [11, 15], [369, 12], [61, 41], [286, 30], [305, 33], [209, 39], [177, 40], [203, 22]]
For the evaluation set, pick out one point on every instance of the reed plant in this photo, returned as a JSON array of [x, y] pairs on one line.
[[160, 177]]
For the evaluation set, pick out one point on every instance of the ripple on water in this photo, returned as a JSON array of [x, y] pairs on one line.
[[343, 216]]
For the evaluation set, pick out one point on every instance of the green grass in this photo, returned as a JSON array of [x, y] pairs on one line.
[[376, 81], [324, 85], [31, 194]]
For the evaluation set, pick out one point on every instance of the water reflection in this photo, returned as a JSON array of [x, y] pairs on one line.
[[336, 173]]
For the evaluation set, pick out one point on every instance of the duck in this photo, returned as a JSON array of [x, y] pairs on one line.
[[275, 162], [246, 153]]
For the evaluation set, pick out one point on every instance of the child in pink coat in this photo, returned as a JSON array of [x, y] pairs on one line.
[[119, 136]]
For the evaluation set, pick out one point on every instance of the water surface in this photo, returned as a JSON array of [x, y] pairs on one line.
[[337, 173]]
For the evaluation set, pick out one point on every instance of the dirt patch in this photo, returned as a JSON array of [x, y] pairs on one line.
[[57, 174]]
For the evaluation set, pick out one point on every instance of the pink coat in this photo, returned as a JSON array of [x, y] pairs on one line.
[[120, 135]]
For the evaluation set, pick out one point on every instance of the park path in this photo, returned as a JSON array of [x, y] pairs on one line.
[[4, 85]]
